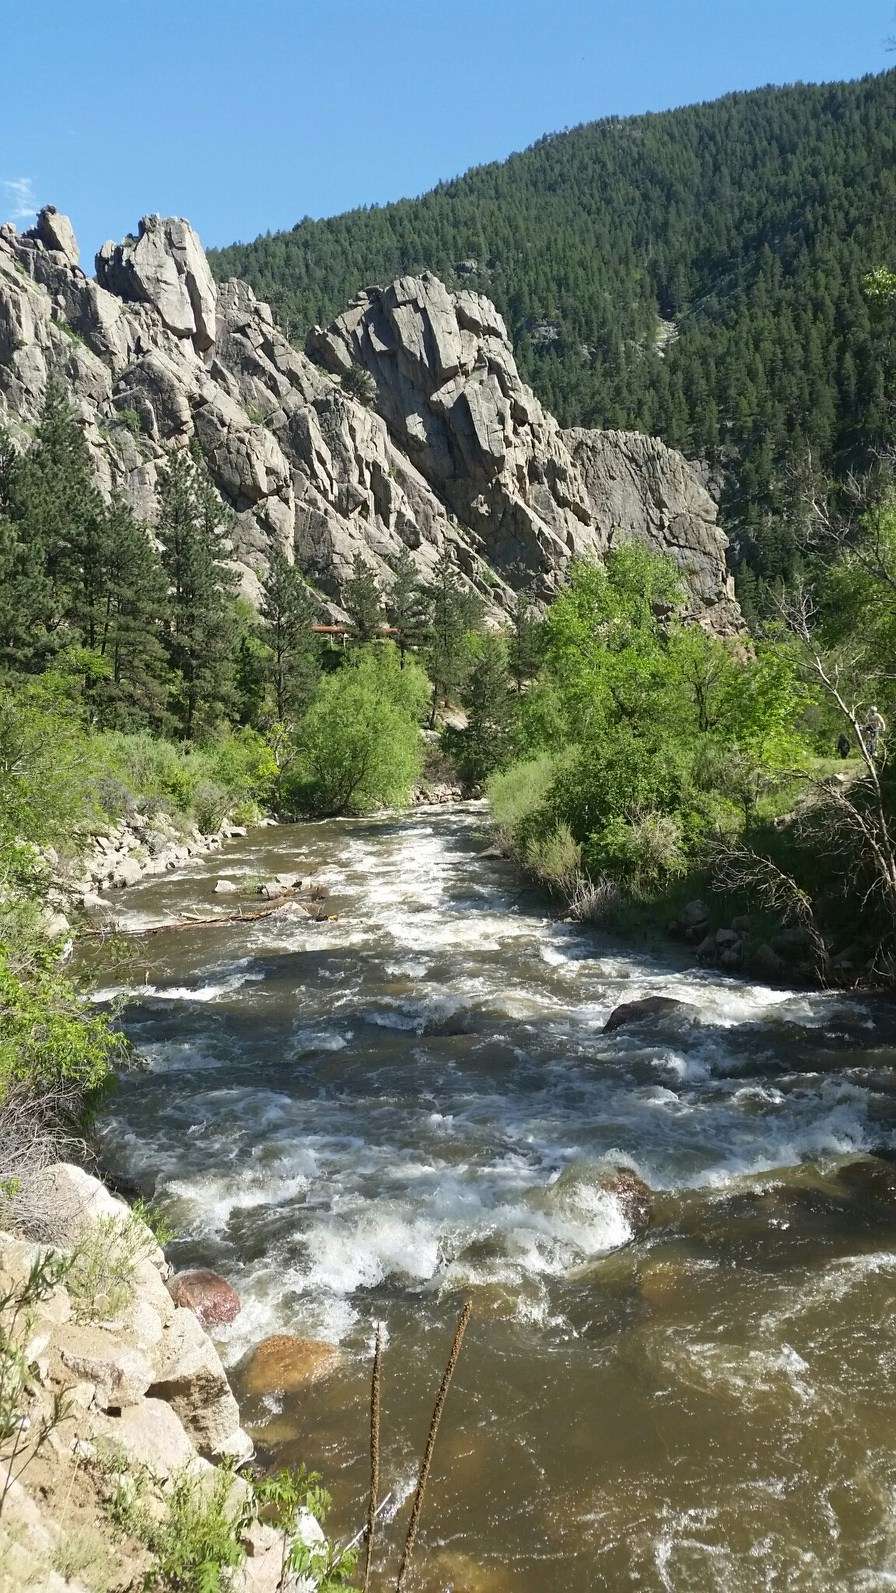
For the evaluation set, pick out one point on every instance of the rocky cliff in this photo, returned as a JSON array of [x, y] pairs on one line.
[[448, 449]]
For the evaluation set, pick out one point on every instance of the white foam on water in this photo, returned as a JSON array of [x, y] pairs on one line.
[[442, 1166]]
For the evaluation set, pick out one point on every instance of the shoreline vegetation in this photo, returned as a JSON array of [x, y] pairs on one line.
[[647, 771], [654, 776]]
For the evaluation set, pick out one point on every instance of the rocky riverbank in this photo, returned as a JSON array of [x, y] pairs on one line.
[[118, 1427], [118, 855]]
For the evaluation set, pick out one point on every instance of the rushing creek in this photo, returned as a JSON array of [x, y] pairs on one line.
[[375, 1117]]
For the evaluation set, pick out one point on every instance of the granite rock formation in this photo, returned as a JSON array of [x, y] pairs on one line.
[[452, 451]]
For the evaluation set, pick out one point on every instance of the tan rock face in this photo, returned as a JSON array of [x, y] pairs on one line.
[[120, 1371], [449, 389], [283, 1364], [191, 1379], [56, 232], [164, 266], [455, 452]]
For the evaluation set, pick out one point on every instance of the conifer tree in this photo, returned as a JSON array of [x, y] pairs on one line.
[[363, 602], [53, 508], [524, 642], [407, 604], [454, 611], [121, 617], [287, 613], [200, 631], [486, 697]]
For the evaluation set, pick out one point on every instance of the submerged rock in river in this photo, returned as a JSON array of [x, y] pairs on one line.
[[283, 1364], [648, 1007], [633, 1195]]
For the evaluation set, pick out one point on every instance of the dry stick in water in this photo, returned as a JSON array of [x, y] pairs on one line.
[[439, 1406], [374, 1450]]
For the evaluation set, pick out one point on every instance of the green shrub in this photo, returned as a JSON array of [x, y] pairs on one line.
[[21, 1437], [359, 746], [283, 1498], [195, 1541], [153, 1218], [518, 794], [51, 1041], [101, 1276], [556, 858], [130, 419], [645, 854]]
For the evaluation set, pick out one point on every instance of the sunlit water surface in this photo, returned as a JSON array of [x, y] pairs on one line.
[[375, 1117]]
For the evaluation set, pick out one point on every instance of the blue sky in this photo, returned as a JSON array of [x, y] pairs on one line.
[[245, 115]]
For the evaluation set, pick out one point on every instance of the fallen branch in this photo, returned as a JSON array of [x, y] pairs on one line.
[[202, 920]]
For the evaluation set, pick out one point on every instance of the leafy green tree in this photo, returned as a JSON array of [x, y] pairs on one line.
[[198, 638], [362, 600], [407, 605], [359, 745], [288, 612], [661, 733]]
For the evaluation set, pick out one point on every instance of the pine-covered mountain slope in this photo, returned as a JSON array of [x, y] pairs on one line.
[[406, 426], [697, 274]]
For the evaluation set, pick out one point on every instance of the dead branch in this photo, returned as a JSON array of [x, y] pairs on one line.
[[374, 1450], [426, 1462], [738, 867], [204, 921]]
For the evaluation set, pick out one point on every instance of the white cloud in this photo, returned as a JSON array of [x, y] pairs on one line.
[[20, 198]]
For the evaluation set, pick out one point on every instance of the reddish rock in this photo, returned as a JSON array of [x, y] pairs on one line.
[[211, 1297], [282, 1364]]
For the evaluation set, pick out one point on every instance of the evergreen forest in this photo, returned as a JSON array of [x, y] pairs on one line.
[[696, 273]]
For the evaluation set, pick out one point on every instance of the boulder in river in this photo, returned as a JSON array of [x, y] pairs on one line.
[[210, 1296], [648, 1008], [225, 887], [633, 1195], [284, 1364], [870, 1178]]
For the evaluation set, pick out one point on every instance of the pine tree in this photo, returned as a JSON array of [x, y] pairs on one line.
[[486, 697], [454, 611], [288, 612], [407, 604], [53, 509], [524, 649], [362, 600], [121, 617], [199, 634]]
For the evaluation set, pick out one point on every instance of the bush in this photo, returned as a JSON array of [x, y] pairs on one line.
[[645, 854], [101, 1276], [556, 859], [359, 746], [50, 1039], [195, 1542], [21, 1437], [518, 794]]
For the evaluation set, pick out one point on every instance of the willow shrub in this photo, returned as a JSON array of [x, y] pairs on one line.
[[359, 746], [54, 1045]]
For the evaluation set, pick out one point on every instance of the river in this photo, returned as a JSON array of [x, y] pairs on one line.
[[373, 1117]]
